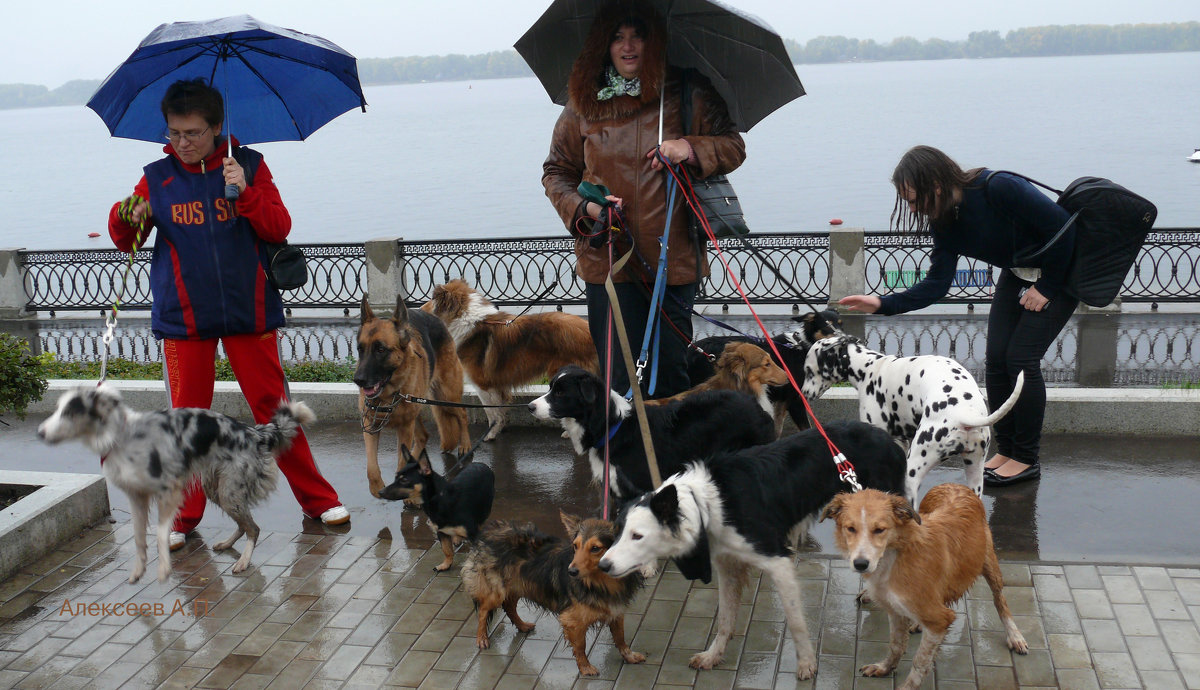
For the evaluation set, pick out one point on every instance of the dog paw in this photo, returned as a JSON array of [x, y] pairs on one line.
[[240, 566], [806, 669], [648, 571], [222, 545], [443, 567], [914, 628], [493, 433], [632, 657], [705, 660], [136, 573], [525, 627], [875, 670], [588, 670], [863, 598], [164, 572], [1018, 644], [482, 642]]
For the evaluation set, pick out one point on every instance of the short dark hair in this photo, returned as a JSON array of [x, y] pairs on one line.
[[188, 96], [926, 171]]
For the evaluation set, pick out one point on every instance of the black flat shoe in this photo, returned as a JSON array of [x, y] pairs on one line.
[[990, 478]]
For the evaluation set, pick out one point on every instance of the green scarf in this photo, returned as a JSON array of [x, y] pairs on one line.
[[618, 85]]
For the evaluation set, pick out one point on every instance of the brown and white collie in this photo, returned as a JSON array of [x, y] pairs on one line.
[[499, 352]]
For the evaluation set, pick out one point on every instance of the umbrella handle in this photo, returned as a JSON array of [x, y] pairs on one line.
[[231, 190]]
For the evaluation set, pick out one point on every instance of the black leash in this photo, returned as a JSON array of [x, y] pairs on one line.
[[531, 305]]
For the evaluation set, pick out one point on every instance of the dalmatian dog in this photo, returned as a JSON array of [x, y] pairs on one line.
[[930, 405]]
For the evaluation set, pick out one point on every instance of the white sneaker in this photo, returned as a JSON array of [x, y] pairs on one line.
[[337, 515], [176, 540]]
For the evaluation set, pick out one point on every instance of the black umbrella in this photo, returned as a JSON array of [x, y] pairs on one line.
[[742, 56]]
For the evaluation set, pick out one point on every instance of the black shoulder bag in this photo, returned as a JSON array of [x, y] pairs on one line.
[[718, 201], [286, 268], [1111, 224]]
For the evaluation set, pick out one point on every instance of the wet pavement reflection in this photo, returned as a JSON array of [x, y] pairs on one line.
[[1101, 499]]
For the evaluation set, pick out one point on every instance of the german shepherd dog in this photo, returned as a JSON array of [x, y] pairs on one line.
[[512, 561], [456, 507], [499, 351], [411, 353], [153, 456]]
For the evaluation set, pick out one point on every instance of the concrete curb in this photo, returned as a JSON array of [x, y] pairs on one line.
[[64, 506], [1133, 411]]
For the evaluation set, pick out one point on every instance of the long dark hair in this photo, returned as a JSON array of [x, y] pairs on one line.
[[935, 178]]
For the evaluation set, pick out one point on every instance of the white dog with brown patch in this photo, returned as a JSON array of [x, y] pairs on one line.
[[916, 566]]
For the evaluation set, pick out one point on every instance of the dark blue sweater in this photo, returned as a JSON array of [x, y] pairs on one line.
[[1013, 219]]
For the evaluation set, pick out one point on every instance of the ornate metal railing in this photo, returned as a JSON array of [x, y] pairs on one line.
[[515, 271], [1142, 349]]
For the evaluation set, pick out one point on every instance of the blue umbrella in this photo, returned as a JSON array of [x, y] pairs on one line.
[[284, 84]]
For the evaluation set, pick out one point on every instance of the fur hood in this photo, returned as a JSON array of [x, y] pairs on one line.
[[587, 75]]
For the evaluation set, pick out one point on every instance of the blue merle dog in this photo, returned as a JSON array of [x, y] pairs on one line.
[[154, 455]]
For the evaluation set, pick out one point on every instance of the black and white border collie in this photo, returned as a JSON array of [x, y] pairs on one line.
[[747, 509], [683, 430]]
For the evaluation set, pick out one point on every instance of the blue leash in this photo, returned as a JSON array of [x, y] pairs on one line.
[[653, 323]]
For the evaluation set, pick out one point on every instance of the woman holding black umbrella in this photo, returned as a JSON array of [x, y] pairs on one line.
[[608, 134], [208, 282]]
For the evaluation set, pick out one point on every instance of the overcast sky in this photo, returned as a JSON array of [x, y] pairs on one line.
[[50, 42]]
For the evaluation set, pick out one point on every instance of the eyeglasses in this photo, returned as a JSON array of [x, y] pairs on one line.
[[192, 137]]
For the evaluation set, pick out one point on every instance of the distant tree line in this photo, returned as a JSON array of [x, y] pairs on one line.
[[1037, 41]]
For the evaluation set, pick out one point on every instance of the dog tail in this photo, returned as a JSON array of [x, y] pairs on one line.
[[276, 436], [1003, 409]]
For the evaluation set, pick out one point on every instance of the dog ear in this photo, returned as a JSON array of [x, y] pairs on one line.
[[834, 508], [406, 454], [400, 316], [903, 510], [364, 310], [423, 462], [805, 319], [569, 521], [664, 505]]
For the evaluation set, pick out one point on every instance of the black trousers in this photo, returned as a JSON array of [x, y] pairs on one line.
[[1017, 339], [634, 299]]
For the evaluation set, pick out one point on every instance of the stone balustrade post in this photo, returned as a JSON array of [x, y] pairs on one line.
[[847, 274], [1096, 348], [385, 274], [12, 286]]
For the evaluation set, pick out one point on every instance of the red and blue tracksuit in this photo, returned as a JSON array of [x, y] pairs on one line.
[[208, 283]]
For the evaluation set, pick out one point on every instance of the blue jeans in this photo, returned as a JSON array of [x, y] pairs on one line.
[[1017, 339], [634, 299]]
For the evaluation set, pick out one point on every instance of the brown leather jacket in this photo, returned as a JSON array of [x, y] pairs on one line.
[[605, 142]]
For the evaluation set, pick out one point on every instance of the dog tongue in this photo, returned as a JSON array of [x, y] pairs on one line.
[[373, 390]]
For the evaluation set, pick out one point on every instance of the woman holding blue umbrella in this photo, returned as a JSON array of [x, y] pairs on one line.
[[208, 282]]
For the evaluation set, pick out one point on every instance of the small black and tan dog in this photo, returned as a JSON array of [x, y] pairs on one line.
[[512, 561], [456, 507]]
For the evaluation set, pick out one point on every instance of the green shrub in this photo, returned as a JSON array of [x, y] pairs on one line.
[[124, 369], [22, 379]]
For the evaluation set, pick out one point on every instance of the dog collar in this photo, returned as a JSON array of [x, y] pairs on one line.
[[102, 459], [611, 432]]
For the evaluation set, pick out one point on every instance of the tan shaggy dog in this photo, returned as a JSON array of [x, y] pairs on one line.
[[408, 354], [511, 561], [499, 352], [743, 367], [916, 566]]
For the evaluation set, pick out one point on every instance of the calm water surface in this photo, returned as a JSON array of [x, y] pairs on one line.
[[463, 159]]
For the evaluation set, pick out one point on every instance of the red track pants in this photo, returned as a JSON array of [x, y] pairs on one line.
[[191, 372]]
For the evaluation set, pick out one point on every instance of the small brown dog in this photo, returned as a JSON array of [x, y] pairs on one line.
[[408, 354], [512, 561], [743, 367], [499, 351], [915, 566]]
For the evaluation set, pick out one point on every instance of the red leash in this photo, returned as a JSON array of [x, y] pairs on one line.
[[845, 468]]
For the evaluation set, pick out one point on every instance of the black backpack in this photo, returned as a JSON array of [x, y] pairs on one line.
[[1111, 224]]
